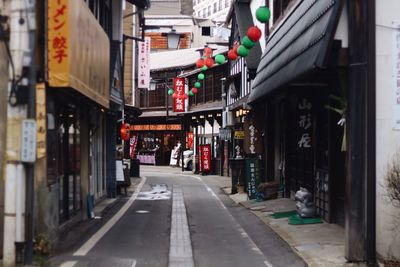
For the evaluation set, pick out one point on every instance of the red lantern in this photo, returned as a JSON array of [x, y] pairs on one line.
[[125, 131], [207, 52], [194, 90], [200, 63], [232, 55], [254, 33], [209, 62]]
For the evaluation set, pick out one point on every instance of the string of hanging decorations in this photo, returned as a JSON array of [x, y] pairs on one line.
[[242, 49]]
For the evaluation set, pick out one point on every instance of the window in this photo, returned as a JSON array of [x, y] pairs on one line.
[[215, 7], [209, 11], [279, 8], [226, 3], [206, 31], [219, 4], [204, 12]]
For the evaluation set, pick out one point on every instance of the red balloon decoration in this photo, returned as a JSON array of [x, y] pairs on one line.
[[200, 63], [125, 131], [232, 55], [209, 62], [207, 51], [175, 95], [185, 96], [194, 90], [254, 33]]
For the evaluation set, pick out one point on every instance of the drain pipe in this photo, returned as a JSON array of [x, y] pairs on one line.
[[371, 135]]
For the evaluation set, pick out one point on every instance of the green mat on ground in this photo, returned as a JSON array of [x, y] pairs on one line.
[[283, 214], [297, 220]]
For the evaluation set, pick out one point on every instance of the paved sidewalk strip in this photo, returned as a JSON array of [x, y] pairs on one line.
[[180, 250]]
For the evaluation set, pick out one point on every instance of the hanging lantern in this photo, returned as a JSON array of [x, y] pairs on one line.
[[125, 132], [170, 91], [200, 63], [247, 42], [194, 90], [197, 84], [209, 62], [204, 68], [220, 59], [232, 55], [263, 13], [243, 51], [191, 93], [254, 33], [200, 76], [207, 51], [175, 95]]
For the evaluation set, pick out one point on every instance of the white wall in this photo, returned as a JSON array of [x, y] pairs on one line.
[[388, 140], [253, 6]]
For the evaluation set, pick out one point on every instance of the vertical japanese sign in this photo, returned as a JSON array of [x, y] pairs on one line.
[[58, 37], [179, 88], [132, 146], [304, 124], [190, 140], [144, 64], [396, 75], [252, 176], [205, 158], [40, 120]]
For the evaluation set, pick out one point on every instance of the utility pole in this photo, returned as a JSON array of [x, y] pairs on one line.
[[21, 131]]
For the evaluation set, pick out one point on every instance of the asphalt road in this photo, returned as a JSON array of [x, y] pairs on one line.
[[181, 220]]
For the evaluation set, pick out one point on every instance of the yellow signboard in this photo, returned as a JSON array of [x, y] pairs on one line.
[[239, 134], [78, 50]]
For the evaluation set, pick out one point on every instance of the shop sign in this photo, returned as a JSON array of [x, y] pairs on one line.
[[132, 146], [179, 88], [28, 141], [40, 120], [205, 158], [253, 143], [304, 124], [239, 134], [252, 167], [78, 50], [190, 140], [225, 134], [144, 63], [156, 127]]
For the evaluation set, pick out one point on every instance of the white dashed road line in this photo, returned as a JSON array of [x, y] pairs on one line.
[[180, 249]]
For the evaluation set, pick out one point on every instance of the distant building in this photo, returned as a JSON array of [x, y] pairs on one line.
[[215, 10]]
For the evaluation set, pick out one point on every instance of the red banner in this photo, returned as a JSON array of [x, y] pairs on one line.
[[132, 146], [190, 140], [179, 88], [205, 158]]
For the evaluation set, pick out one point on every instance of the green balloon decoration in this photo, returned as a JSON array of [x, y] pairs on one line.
[[247, 42], [204, 68], [243, 51], [263, 14], [197, 84], [200, 76], [220, 59], [191, 93], [170, 91]]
